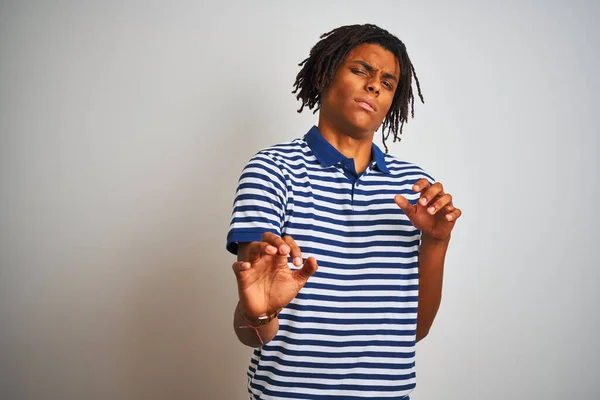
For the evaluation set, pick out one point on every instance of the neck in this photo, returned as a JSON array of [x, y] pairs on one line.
[[358, 147]]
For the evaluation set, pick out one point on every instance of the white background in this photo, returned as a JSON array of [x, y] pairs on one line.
[[123, 129]]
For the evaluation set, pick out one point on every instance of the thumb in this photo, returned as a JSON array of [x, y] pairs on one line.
[[307, 270], [404, 204]]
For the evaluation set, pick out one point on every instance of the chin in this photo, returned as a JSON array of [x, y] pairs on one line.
[[360, 133], [361, 127]]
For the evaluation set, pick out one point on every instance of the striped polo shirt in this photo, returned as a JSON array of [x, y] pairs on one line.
[[350, 331]]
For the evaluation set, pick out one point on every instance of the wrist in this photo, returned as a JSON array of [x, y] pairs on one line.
[[425, 238], [260, 320]]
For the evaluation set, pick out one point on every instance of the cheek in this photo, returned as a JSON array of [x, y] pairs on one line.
[[343, 92], [385, 105]]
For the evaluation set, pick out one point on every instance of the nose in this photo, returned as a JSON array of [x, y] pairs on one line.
[[373, 87]]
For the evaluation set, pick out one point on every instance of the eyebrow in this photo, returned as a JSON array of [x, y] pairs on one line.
[[370, 68]]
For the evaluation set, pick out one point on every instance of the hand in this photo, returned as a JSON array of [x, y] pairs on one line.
[[265, 281], [434, 214]]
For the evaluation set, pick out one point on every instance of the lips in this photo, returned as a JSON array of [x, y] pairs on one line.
[[365, 104]]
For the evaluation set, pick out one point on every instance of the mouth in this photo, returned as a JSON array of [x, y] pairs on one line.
[[365, 104]]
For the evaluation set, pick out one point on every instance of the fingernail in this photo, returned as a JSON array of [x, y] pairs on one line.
[[431, 210], [284, 248], [423, 200], [271, 249], [297, 261], [416, 187]]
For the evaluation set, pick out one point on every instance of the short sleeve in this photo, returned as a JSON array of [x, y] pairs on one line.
[[259, 204]]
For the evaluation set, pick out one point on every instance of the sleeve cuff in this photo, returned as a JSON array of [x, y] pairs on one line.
[[244, 236]]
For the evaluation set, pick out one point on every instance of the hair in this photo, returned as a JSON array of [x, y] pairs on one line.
[[326, 56]]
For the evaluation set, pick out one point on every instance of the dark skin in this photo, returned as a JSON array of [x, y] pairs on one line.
[[369, 73], [352, 108]]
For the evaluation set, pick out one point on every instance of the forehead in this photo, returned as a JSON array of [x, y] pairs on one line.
[[376, 56]]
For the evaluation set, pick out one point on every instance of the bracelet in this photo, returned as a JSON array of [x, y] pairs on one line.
[[255, 323], [255, 330], [259, 321]]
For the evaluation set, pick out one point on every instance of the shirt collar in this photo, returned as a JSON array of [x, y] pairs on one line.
[[380, 159], [327, 155]]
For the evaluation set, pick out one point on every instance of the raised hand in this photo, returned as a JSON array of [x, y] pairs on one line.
[[434, 214], [265, 281]]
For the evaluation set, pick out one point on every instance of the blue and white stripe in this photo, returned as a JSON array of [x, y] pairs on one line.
[[350, 332]]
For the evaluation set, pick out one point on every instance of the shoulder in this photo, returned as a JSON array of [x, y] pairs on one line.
[[283, 156], [406, 169], [273, 165], [284, 152]]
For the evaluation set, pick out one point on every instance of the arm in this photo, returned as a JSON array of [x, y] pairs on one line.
[[431, 272], [249, 336], [435, 216], [266, 284]]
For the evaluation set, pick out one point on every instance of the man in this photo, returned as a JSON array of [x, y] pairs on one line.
[[340, 247]]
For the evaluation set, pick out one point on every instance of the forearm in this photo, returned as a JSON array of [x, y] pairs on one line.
[[248, 335], [432, 254]]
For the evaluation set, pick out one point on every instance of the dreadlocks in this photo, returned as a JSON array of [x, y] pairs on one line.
[[333, 48]]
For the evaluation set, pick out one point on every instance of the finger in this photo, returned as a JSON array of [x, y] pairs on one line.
[[439, 203], [274, 240], [420, 185], [428, 195], [307, 270], [239, 267], [258, 249], [454, 215], [447, 209], [295, 252], [404, 204]]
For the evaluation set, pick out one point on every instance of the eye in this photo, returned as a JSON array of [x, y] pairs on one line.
[[388, 85], [359, 71]]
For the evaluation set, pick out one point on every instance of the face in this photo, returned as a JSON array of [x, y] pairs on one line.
[[361, 93]]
